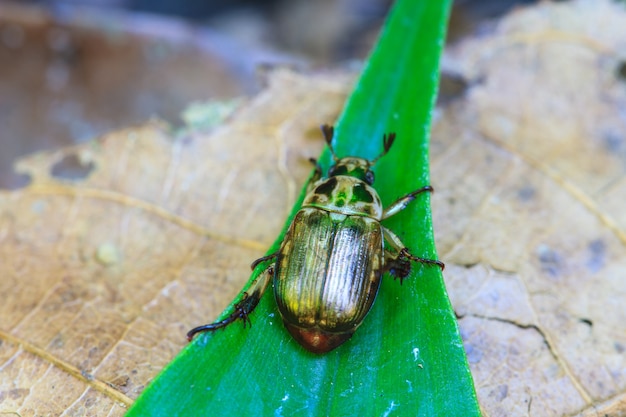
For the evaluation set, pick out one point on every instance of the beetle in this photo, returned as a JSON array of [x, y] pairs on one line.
[[328, 268]]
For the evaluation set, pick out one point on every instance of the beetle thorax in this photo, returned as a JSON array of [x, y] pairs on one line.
[[353, 167], [345, 195]]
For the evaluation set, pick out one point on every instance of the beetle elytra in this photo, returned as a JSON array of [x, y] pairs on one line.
[[328, 268]]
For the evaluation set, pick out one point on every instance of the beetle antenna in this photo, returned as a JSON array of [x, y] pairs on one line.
[[329, 132], [387, 142]]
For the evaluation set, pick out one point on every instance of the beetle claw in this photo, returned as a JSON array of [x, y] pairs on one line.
[[243, 315], [407, 255], [261, 260]]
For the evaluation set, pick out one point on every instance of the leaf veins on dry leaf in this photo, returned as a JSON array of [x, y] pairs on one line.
[[529, 169], [103, 275]]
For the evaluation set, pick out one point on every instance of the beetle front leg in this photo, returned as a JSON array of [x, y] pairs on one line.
[[397, 263], [243, 308], [317, 174], [401, 203]]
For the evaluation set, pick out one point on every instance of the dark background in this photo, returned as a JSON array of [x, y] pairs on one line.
[[71, 70]]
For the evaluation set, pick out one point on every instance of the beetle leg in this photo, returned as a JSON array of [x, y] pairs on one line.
[[401, 203], [399, 267], [256, 263], [398, 263], [243, 308], [317, 174]]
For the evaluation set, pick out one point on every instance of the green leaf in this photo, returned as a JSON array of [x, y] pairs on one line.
[[407, 358]]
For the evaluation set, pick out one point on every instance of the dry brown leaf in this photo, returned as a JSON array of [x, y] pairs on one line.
[[529, 211], [103, 276]]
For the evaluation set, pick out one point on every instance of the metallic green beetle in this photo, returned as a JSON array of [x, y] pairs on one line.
[[327, 271]]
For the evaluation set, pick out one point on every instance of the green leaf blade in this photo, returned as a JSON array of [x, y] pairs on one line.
[[407, 358]]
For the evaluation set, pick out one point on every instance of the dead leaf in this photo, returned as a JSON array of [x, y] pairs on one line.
[[529, 211], [103, 274]]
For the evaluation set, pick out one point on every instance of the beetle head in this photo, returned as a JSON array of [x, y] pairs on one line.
[[352, 166]]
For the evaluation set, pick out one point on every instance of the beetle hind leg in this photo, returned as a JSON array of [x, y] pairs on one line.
[[405, 254], [242, 309], [262, 259], [397, 266], [398, 261]]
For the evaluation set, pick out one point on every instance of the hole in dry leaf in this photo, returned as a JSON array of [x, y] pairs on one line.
[[597, 249], [451, 87], [500, 392], [621, 70], [550, 260], [72, 167], [526, 193], [614, 143], [13, 181]]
